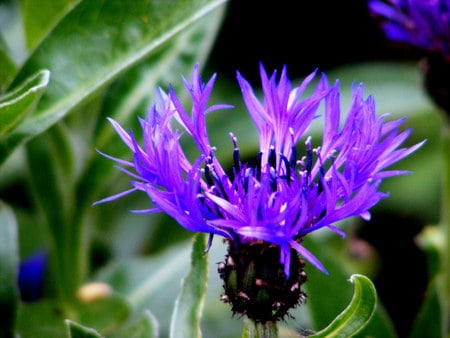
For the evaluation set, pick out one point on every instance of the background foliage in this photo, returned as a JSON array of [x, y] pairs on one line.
[[67, 65]]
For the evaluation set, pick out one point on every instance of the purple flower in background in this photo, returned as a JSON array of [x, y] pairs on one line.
[[31, 277], [424, 24], [421, 23], [265, 207]]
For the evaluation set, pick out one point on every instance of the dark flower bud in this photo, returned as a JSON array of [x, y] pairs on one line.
[[255, 283]]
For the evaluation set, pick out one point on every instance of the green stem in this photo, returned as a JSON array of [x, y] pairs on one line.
[[445, 222], [75, 260], [259, 330]]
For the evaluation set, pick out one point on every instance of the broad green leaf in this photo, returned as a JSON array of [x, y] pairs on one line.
[[189, 304], [40, 16], [145, 327], [17, 104], [358, 312], [259, 330], [130, 96], [92, 45], [9, 260], [76, 330], [11, 32], [8, 66]]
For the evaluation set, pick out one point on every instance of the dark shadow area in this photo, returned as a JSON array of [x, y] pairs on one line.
[[303, 35]]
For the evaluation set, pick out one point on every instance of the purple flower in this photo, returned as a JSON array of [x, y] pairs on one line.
[[31, 277], [421, 23], [280, 196]]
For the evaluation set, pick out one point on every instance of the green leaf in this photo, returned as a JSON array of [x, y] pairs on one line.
[[43, 319], [17, 104], [358, 312], [8, 270], [92, 45], [153, 283], [130, 96], [380, 323], [12, 33], [431, 311], [445, 225], [145, 327], [47, 318], [433, 241], [8, 67], [40, 16], [105, 313], [76, 330], [150, 282], [50, 159], [189, 304]]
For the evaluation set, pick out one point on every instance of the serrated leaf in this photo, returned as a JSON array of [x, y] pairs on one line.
[[189, 304], [76, 330], [92, 45], [9, 259], [358, 312], [17, 104]]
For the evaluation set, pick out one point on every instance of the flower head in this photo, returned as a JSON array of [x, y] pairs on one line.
[[292, 187], [422, 23]]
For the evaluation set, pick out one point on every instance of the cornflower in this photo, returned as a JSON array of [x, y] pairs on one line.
[[265, 207], [424, 24]]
